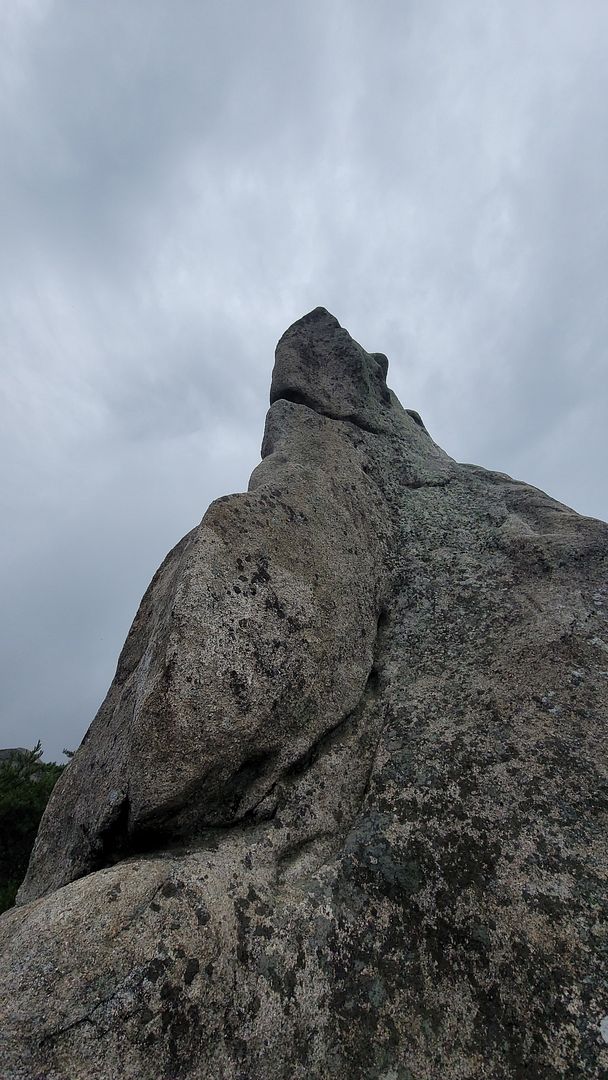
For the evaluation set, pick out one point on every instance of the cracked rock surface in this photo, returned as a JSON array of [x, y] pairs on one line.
[[343, 812]]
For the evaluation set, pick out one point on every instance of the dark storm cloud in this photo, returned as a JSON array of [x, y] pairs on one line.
[[180, 181]]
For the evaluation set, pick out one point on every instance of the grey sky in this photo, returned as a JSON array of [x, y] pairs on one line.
[[181, 180]]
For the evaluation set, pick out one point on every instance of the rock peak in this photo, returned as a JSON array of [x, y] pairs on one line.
[[318, 314], [318, 364]]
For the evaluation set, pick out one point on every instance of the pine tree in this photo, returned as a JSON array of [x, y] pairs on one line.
[[26, 783]]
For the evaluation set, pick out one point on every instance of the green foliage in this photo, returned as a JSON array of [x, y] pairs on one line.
[[26, 783]]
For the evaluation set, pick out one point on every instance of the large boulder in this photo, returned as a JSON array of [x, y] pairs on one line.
[[343, 812]]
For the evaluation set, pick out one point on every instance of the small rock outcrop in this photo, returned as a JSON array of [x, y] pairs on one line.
[[344, 810], [12, 752]]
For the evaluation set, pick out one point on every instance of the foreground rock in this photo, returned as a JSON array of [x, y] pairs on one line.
[[344, 810]]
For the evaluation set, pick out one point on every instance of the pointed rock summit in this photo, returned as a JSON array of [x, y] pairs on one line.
[[319, 365], [343, 812]]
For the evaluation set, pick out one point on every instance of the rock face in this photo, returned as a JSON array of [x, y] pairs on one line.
[[11, 752], [343, 812]]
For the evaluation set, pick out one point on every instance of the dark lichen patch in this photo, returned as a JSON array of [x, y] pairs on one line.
[[191, 970], [374, 861], [261, 575], [202, 914], [171, 888], [156, 968], [276, 606], [468, 859], [179, 1023], [240, 690]]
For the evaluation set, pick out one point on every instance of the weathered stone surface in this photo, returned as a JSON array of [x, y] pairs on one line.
[[255, 638], [344, 810], [11, 752]]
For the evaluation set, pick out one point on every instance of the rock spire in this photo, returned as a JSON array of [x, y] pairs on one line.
[[343, 812]]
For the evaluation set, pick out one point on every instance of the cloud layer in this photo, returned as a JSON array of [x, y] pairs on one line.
[[181, 181]]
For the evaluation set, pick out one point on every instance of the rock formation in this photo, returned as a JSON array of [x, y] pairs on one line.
[[12, 752], [343, 812]]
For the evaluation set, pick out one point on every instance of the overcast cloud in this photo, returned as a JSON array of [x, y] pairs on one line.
[[180, 180]]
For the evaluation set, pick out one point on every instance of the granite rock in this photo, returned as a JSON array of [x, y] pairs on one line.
[[344, 810]]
